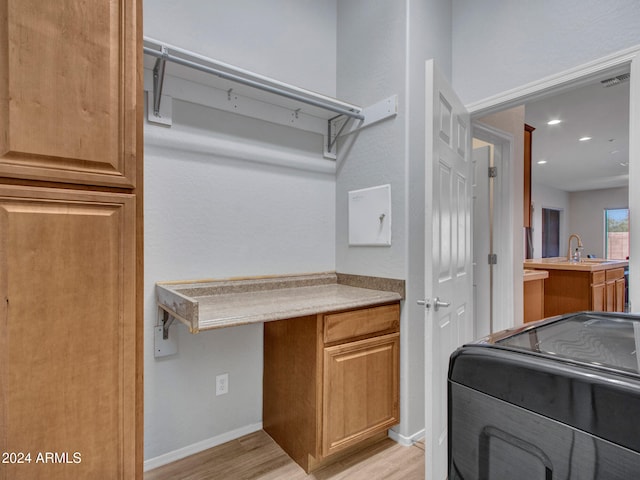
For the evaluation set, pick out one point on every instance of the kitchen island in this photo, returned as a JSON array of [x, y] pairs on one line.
[[595, 284]]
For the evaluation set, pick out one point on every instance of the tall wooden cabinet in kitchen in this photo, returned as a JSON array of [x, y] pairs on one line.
[[70, 239]]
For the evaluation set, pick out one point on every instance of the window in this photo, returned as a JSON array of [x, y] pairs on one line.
[[616, 221]]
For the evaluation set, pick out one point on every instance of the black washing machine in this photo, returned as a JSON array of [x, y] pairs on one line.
[[557, 399]]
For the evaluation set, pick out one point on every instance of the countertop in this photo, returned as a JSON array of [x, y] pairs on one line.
[[530, 275], [585, 265], [204, 305]]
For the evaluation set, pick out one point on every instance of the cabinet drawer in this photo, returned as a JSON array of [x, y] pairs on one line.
[[597, 277], [358, 323], [614, 274]]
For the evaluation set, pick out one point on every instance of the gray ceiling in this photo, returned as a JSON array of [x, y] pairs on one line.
[[592, 110]]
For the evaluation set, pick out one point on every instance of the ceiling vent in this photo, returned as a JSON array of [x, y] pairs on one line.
[[610, 82]]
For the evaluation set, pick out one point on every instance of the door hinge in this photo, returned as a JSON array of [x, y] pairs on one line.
[[493, 259], [493, 172]]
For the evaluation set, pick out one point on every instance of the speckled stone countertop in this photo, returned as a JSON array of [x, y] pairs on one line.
[[209, 304]]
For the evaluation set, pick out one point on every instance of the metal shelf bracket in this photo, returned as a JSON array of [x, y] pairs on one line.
[[167, 320], [158, 78], [341, 125]]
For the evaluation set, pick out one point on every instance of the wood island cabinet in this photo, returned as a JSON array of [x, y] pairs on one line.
[[568, 291], [331, 381], [71, 238], [533, 294]]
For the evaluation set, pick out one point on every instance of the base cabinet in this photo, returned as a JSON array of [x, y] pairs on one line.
[[533, 294], [568, 291], [331, 381], [610, 287]]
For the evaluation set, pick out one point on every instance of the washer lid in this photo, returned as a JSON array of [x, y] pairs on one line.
[[597, 339]]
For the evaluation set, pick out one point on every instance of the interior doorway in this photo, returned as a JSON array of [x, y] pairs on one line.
[[616, 63]]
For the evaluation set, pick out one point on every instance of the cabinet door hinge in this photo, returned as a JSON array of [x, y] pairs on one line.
[[493, 172], [493, 259]]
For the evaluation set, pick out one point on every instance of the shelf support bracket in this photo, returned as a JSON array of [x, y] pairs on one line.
[[167, 320], [158, 111], [332, 135], [158, 79], [341, 125]]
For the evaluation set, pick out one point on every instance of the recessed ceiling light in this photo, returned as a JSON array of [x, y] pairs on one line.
[[584, 139], [541, 162], [554, 122]]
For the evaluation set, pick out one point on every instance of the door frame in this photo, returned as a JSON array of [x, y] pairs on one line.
[[627, 60], [503, 294]]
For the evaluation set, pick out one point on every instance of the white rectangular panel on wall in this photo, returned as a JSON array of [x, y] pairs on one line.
[[370, 216]]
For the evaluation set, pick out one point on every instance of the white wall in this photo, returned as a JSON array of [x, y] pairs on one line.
[[382, 49], [586, 215], [290, 40], [503, 44], [208, 215], [372, 66], [543, 196]]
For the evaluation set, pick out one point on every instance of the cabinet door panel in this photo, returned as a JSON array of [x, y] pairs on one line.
[[610, 297], [361, 391], [68, 91], [598, 297], [67, 338]]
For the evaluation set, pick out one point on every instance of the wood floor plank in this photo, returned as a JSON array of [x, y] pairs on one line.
[[257, 457]]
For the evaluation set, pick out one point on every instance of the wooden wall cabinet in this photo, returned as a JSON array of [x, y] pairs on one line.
[[69, 91], [71, 238], [331, 382]]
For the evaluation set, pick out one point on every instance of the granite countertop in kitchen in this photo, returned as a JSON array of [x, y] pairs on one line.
[[209, 304]]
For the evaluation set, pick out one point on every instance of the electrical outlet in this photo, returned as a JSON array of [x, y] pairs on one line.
[[222, 384]]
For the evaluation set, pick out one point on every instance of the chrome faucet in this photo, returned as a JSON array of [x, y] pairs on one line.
[[569, 256]]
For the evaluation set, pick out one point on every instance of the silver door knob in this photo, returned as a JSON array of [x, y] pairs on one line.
[[436, 303]]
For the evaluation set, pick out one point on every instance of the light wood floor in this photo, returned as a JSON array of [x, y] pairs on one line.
[[258, 457]]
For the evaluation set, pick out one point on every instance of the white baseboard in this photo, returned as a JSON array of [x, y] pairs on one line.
[[199, 446], [404, 440]]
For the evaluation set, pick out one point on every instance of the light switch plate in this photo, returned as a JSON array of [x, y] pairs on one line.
[[370, 216], [162, 347]]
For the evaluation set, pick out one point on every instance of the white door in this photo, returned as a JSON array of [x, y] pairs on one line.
[[448, 255]]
